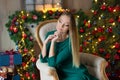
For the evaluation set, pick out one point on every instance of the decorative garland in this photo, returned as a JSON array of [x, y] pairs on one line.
[[20, 34]]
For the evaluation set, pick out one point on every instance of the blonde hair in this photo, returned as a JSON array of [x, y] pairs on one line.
[[74, 38]]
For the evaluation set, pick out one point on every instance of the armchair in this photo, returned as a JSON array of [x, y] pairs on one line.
[[96, 65]]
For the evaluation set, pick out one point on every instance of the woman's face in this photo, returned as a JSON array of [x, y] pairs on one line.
[[63, 24]]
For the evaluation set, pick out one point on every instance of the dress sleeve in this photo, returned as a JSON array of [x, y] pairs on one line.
[[60, 58]]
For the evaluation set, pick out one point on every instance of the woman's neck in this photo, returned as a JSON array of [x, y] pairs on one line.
[[63, 37]]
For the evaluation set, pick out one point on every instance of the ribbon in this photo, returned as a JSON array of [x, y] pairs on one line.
[[11, 56]]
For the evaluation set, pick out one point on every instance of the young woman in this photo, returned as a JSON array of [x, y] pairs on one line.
[[61, 50]]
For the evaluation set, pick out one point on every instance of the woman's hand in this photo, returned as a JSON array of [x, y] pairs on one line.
[[57, 36], [49, 38]]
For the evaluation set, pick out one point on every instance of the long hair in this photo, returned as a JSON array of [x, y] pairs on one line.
[[74, 39]]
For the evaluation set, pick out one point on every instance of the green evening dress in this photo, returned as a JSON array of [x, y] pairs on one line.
[[62, 61]]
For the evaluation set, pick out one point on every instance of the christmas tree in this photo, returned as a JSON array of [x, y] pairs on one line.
[[101, 34]]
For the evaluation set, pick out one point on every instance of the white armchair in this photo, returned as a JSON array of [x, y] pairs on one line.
[[96, 65]]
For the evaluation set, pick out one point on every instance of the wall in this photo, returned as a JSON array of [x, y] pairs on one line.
[[6, 9], [77, 4]]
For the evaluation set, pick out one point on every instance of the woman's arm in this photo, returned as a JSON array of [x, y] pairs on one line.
[[44, 50], [46, 46], [51, 52], [56, 37]]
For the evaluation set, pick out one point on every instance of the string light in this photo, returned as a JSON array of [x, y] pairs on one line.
[[113, 23], [114, 10], [22, 12], [78, 16], [99, 18], [96, 42], [88, 21], [96, 1], [44, 16], [113, 36], [95, 29], [81, 36], [103, 26], [113, 47], [28, 14], [104, 3], [88, 49], [92, 11]]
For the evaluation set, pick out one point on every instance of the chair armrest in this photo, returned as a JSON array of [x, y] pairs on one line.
[[44, 68], [96, 65]]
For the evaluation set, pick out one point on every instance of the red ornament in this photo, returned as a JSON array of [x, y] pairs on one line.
[[119, 19], [24, 35], [81, 30], [85, 43], [116, 56], [34, 76], [108, 74], [94, 32], [117, 7], [31, 38], [100, 29], [35, 17], [101, 50], [81, 48], [50, 12], [14, 19], [27, 74], [24, 17], [117, 45], [84, 21], [110, 29], [111, 20], [95, 12], [110, 9], [101, 38], [15, 29], [89, 25], [11, 28], [107, 56], [103, 7], [25, 50], [118, 51], [33, 59], [95, 53], [23, 64]]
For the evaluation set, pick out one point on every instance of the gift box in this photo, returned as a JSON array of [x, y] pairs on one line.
[[16, 77], [10, 58]]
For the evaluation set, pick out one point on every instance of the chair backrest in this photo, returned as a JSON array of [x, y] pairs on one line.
[[43, 28]]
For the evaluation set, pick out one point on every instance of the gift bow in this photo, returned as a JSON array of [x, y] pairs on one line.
[[11, 52]]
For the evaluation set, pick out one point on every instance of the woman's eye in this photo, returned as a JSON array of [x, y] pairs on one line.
[[67, 25]]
